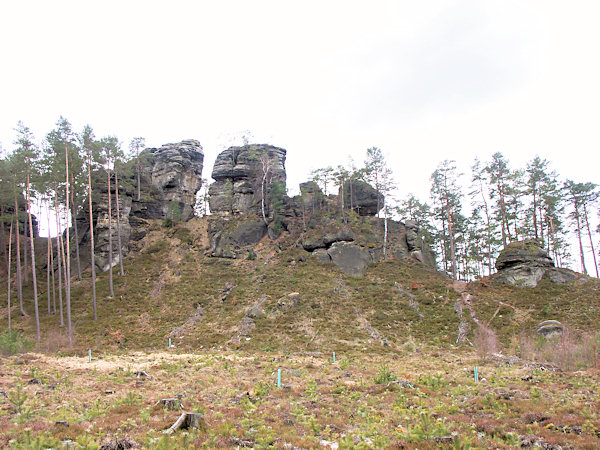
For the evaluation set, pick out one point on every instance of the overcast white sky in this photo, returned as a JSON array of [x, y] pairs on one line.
[[423, 80]]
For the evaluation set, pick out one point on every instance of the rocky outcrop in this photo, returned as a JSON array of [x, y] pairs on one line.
[[176, 172], [311, 196], [243, 175], [349, 258], [362, 198], [171, 175], [524, 263], [229, 236], [550, 328]]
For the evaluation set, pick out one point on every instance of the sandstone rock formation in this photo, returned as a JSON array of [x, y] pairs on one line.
[[243, 175], [170, 178], [524, 263], [176, 172], [362, 198]]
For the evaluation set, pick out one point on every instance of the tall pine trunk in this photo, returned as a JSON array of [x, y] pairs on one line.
[[33, 271], [60, 253], [68, 252], [93, 255], [18, 244], [74, 219], [110, 249], [4, 254], [51, 262], [581, 255], [119, 250], [587, 225], [25, 279], [8, 265]]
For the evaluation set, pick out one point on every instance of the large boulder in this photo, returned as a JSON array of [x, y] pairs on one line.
[[363, 198], [349, 258], [527, 252], [226, 237], [550, 328], [243, 175], [524, 263]]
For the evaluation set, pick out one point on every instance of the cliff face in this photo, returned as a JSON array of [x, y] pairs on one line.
[[171, 176], [243, 175], [312, 221]]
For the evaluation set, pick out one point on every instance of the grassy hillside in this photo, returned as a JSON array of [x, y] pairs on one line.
[[170, 279]]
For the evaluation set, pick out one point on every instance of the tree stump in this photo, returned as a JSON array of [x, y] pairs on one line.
[[187, 421], [171, 404]]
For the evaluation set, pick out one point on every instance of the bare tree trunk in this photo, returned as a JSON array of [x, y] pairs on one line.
[[587, 225], [581, 255], [385, 230], [33, 271], [74, 219], [110, 250], [19, 279], [60, 253], [6, 257], [68, 253], [119, 250], [25, 257], [137, 166], [51, 259], [93, 256], [48, 266], [8, 282]]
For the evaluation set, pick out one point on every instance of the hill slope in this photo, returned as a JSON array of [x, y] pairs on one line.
[[287, 301]]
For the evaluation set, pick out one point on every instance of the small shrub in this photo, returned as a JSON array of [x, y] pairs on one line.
[[485, 342], [384, 375], [12, 342], [566, 351]]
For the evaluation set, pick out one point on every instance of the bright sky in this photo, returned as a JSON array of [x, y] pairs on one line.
[[423, 80]]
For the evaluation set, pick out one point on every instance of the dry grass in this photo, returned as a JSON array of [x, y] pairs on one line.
[[435, 402]]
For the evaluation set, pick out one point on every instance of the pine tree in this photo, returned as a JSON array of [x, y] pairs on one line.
[[134, 146], [90, 147], [499, 174], [27, 153], [446, 195]]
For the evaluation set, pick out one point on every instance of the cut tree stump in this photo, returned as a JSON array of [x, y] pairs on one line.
[[187, 421], [170, 403]]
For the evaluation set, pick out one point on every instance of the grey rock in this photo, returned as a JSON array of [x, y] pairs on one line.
[[549, 328], [522, 263], [523, 276], [226, 236], [238, 173], [177, 174], [412, 236], [526, 252], [321, 255], [289, 301], [338, 236], [349, 258], [312, 243], [559, 275], [363, 198], [311, 196]]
